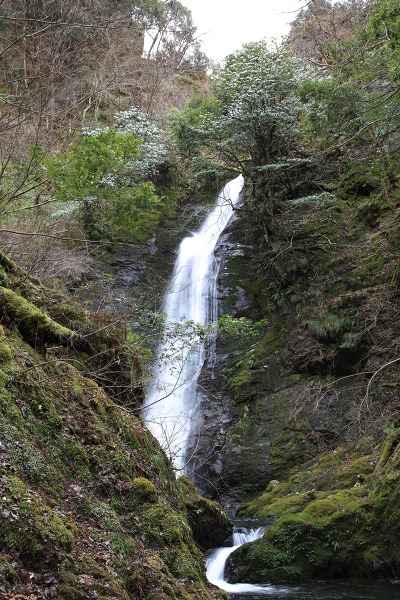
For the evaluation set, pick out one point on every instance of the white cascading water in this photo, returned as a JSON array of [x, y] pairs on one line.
[[217, 560], [172, 398]]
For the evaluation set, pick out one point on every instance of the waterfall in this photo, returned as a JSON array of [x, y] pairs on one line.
[[172, 400], [217, 560]]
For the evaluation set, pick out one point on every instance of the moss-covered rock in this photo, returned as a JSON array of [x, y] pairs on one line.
[[144, 489], [337, 517], [339, 535], [209, 523], [33, 324]]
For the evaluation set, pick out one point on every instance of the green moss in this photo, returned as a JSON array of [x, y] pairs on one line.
[[3, 379], [29, 526], [93, 579], [124, 546], [144, 490], [390, 445], [243, 378], [7, 573], [325, 532], [103, 513], [268, 506], [3, 276], [30, 320], [68, 592], [209, 522], [320, 532], [42, 403], [28, 459], [8, 408], [163, 525], [338, 504], [164, 529], [330, 537], [77, 457], [221, 594], [5, 350], [9, 267]]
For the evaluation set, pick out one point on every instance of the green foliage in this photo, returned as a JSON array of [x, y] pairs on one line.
[[191, 135], [122, 210], [335, 107], [240, 326], [21, 181], [94, 171], [360, 96], [258, 107], [92, 163], [156, 148], [185, 123], [385, 25], [330, 326]]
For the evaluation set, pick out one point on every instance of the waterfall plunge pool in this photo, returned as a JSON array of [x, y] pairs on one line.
[[358, 589]]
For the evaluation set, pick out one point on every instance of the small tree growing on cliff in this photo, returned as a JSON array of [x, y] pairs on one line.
[[252, 124]]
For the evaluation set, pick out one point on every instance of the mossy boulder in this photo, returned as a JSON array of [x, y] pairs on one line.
[[334, 536], [169, 532], [209, 523], [338, 516], [144, 489]]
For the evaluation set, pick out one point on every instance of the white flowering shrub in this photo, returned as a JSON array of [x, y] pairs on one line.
[[254, 118], [156, 148]]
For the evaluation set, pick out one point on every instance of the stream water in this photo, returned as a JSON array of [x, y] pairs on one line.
[[359, 589], [172, 399], [217, 560]]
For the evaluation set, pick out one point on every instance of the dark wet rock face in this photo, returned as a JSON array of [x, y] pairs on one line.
[[227, 457], [261, 414]]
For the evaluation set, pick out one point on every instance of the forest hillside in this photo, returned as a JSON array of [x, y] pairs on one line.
[[116, 134]]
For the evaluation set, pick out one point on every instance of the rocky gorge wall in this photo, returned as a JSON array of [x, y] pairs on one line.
[[307, 414]]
